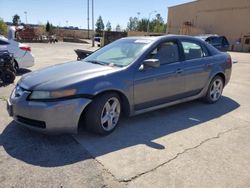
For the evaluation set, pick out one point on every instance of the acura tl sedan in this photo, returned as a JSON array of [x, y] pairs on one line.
[[127, 77]]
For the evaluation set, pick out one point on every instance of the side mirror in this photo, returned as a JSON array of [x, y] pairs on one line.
[[151, 63]]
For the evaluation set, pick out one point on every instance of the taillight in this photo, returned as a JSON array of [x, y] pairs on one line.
[[26, 48], [229, 61]]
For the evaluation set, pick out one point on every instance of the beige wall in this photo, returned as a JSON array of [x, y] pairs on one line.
[[224, 17], [80, 34]]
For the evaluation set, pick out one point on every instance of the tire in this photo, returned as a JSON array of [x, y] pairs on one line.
[[103, 114], [8, 76], [1, 74], [215, 90], [16, 67]]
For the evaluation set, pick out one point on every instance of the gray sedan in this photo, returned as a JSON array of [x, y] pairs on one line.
[[127, 77]]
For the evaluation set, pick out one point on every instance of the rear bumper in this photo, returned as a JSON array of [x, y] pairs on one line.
[[25, 61], [47, 117]]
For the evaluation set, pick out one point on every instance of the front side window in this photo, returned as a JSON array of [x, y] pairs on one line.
[[120, 53], [167, 52], [193, 50]]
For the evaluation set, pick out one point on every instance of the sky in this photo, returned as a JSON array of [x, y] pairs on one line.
[[74, 12]]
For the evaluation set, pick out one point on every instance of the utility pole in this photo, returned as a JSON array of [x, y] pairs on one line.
[[25, 12], [88, 17], [93, 25], [149, 16]]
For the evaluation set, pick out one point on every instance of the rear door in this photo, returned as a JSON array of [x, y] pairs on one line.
[[197, 67]]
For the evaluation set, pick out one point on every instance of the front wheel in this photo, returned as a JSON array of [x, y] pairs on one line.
[[103, 114], [215, 90]]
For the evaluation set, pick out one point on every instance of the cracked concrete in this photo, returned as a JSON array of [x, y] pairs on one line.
[[208, 165], [179, 154]]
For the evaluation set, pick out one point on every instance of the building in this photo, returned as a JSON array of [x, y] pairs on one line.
[[230, 18]]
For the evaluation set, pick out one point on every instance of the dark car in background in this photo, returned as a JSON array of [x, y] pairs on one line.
[[219, 42]]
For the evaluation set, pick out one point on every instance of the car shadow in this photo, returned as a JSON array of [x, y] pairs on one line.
[[22, 71], [50, 151], [39, 149]]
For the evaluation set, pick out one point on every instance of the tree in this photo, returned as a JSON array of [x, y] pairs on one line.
[[40, 29], [118, 28], [16, 19], [3, 27], [49, 27], [108, 26], [158, 25], [132, 24], [142, 25], [99, 26]]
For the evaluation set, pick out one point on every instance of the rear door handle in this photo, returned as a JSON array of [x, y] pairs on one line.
[[179, 71]]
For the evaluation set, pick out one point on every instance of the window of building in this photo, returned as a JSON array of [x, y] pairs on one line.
[[247, 41]]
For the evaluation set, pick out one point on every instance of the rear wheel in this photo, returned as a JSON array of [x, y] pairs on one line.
[[103, 114], [215, 90]]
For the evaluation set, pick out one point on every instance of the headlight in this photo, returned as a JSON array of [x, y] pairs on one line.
[[45, 95]]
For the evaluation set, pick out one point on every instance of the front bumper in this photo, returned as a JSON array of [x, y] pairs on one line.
[[47, 117]]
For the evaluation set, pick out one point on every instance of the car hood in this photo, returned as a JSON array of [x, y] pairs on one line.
[[63, 75]]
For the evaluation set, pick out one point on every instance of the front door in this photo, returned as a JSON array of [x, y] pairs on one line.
[[155, 86]]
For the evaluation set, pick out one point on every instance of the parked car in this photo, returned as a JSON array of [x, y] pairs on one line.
[[7, 70], [219, 42], [98, 41], [22, 53], [129, 76]]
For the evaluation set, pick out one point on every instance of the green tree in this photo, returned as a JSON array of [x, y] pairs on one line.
[[49, 27], [16, 19], [158, 25], [142, 25], [132, 24], [3, 27], [108, 26], [118, 28], [99, 26]]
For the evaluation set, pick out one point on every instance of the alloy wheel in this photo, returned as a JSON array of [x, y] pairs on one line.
[[216, 89], [110, 114]]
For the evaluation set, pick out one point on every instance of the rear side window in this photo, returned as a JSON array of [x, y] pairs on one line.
[[225, 41], [216, 40], [193, 50], [167, 52], [3, 42]]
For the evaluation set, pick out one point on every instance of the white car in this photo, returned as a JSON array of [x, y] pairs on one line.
[[21, 52]]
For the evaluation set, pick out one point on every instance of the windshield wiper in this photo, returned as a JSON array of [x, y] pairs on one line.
[[96, 62], [115, 65]]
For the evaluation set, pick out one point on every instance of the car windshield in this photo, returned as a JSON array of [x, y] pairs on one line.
[[120, 53]]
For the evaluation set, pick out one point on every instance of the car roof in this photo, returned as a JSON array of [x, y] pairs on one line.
[[205, 37], [165, 37]]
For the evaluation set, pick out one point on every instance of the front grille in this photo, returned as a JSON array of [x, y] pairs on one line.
[[31, 122]]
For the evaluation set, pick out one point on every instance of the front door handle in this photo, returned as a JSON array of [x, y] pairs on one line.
[[179, 71]]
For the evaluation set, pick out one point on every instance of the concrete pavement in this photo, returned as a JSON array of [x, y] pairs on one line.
[[188, 145]]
